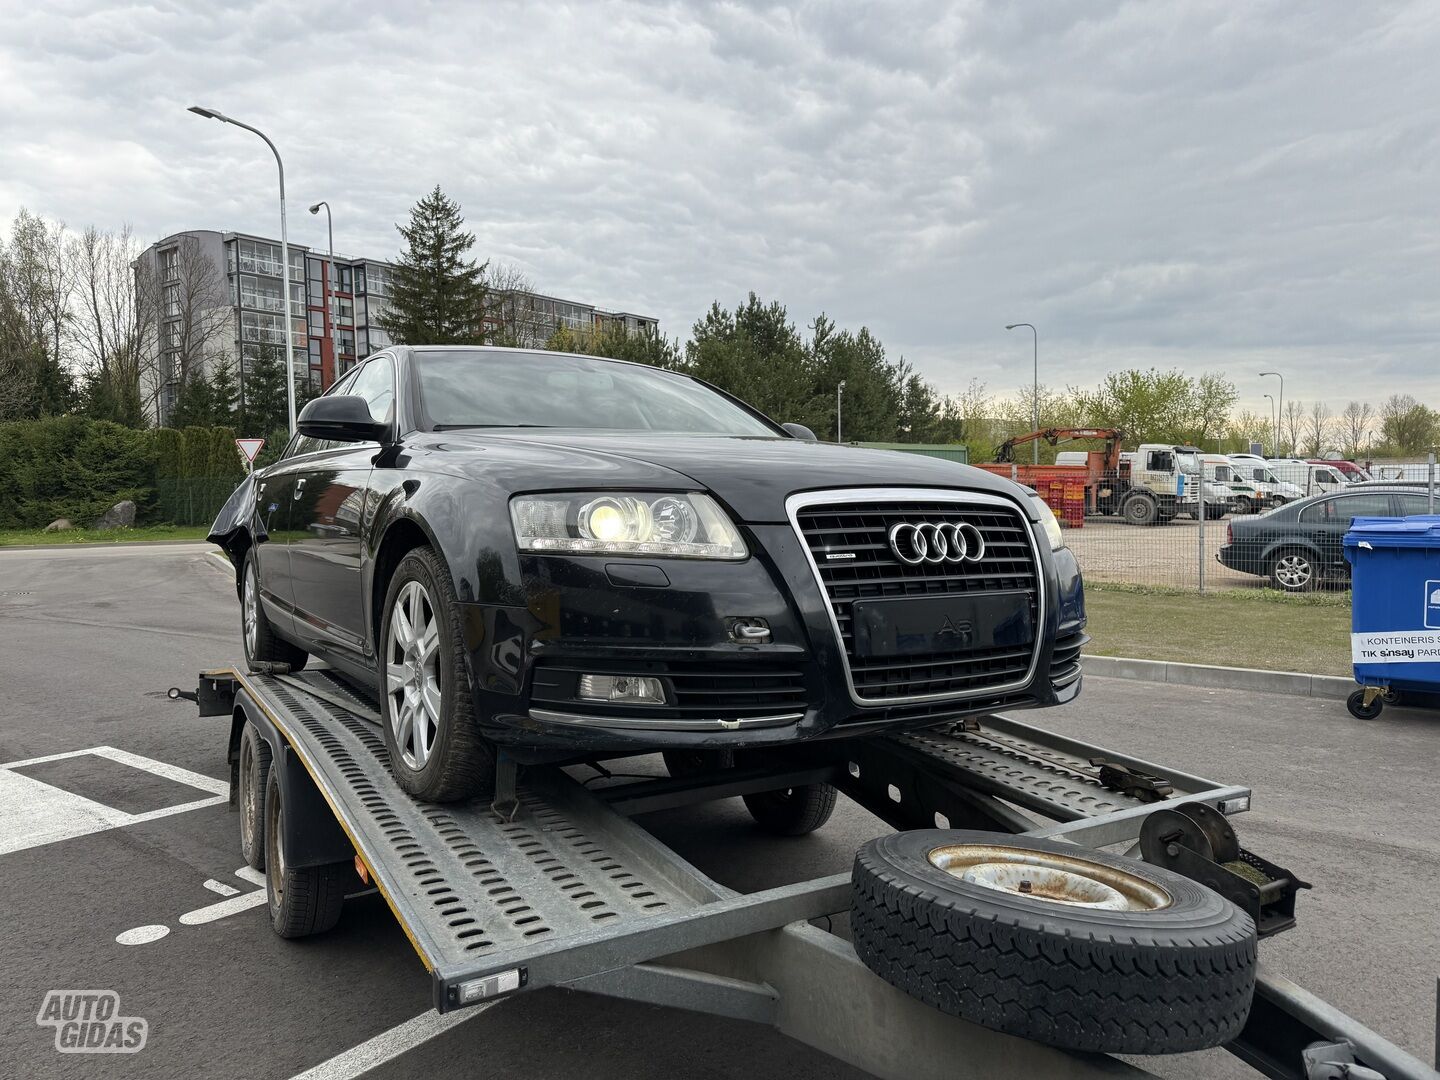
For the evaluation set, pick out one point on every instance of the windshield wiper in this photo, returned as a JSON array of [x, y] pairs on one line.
[[464, 427]]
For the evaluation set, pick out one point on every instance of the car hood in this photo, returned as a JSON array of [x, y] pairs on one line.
[[753, 476]]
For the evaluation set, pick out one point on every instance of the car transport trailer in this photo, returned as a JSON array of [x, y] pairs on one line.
[[553, 884]]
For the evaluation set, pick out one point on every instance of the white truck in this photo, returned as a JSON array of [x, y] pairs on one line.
[[1311, 479], [1246, 497], [1257, 470]]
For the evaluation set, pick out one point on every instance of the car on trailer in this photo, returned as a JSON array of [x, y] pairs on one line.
[[555, 556]]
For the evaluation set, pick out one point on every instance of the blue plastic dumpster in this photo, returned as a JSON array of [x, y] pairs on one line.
[[1395, 608]]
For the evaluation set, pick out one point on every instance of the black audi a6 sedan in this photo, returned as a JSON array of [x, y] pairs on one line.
[[577, 558]]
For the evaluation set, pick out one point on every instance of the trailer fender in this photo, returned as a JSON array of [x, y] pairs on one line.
[[313, 836]]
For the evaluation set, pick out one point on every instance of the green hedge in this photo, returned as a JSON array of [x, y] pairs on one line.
[[76, 468]]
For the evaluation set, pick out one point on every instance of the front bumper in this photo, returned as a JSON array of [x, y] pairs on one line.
[[674, 621]]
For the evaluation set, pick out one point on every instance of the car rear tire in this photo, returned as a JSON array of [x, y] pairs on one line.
[[303, 900], [1293, 570], [796, 811], [435, 747], [254, 777], [1169, 967], [262, 644]]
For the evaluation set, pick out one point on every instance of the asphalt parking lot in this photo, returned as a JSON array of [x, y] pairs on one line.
[[123, 826]]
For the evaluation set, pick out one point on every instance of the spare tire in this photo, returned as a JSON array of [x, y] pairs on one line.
[[1052, 942]]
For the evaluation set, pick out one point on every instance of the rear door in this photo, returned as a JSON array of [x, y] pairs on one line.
[[1327, 521], [328, 515]]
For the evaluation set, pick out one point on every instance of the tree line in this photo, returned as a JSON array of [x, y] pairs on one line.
[[79, 312]]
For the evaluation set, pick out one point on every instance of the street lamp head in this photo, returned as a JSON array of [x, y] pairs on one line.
[[209, 114], [316, 208], [1011, 326], [1276, 373]]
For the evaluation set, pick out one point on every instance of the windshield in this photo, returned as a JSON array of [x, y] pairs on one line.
[[519, 389], [1189, 463]]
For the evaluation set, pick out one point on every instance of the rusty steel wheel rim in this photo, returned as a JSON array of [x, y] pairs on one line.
[[1070, 881]]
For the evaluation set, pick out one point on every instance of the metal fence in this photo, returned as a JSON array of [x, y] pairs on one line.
[[1184, 552], [189, 500]]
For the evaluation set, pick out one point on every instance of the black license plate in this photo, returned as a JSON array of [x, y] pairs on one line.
[[939, 625]]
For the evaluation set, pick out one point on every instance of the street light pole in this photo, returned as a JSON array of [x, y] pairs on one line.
[[212, 114], [1279, 406], [1274, 423], [330, 322], [839, 390], [1035, 389]]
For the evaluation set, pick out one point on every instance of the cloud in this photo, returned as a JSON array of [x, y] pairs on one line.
[[1194, 184]]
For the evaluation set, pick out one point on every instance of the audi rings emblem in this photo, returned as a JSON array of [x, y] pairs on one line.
[[936, 542]]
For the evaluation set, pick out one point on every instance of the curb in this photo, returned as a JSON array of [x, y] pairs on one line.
[[91, 544], [1294, 683]]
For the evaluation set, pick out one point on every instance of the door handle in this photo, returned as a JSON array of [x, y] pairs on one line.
[[299, 488]]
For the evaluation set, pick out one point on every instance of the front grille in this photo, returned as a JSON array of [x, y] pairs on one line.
[[861, 530], [694, 690]]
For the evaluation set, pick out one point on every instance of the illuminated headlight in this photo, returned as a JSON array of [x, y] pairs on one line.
[[1048, 523], [621, 689], [619, 523]]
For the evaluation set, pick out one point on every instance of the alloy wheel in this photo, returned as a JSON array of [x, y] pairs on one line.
[[1293, 571], [250, 610], [412, 674]]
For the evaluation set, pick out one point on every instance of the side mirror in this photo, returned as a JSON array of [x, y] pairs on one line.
[[800, 431], [344, 418]]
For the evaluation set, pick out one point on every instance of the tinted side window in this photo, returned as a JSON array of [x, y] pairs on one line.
[[1340, 511], [1416, 504]]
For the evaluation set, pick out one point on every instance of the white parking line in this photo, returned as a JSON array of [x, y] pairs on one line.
[[389, 1045], [220, 887], [232, 906], [34, 813]]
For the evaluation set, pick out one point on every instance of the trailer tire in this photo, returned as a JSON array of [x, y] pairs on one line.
[[1140, 510], [253, 784], [262, 644], [458, 763], [303, 900], [1159, 980], [796, 811]]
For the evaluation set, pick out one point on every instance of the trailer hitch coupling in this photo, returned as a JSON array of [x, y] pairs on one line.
[[1335, 1061], [1195, 840]]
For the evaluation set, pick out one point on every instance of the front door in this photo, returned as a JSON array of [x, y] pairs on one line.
[[329, 509]]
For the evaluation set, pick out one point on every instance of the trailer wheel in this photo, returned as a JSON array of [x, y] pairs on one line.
[[1140, 510], [262, 644], [1070, 947], [434, 743], [303, 900], [795, 811], [254, 777]]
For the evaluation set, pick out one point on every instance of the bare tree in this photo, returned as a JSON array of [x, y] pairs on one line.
[[511, 314], [1356, 422], [107, 326], [1292, 425], [33, 294], [1317, 429]]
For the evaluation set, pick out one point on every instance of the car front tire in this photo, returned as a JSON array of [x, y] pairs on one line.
[[436, 751], [262, 644]]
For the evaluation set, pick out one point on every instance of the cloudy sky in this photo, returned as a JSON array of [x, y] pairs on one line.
[[1209, 185]]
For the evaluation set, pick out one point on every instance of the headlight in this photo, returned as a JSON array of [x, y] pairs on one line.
[[620, 523], [1048, 523]]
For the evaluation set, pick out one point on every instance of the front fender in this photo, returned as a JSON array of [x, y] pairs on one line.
[[236, 522]]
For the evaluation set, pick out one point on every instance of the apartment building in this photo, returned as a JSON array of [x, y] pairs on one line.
[[219, 299]]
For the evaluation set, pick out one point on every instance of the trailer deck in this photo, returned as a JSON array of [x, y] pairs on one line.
[[554, 885]]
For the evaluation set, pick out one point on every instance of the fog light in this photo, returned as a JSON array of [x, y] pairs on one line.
[[621, 689]]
